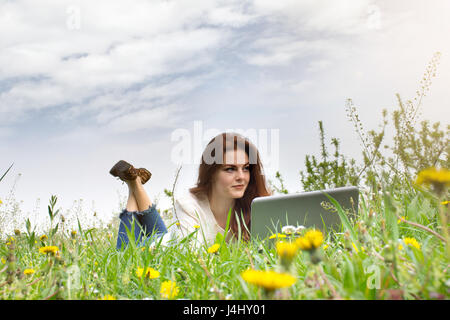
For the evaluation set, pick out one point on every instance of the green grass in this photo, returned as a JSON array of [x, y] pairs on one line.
[[363, 262]]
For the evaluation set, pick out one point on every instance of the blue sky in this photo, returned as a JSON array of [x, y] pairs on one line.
[[84, 84]]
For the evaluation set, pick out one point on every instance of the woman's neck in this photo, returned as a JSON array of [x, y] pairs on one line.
[[220, 207]]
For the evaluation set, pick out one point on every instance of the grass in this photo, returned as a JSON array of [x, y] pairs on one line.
[[362, 262]]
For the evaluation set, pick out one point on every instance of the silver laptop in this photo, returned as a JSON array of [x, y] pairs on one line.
[[309, 209]]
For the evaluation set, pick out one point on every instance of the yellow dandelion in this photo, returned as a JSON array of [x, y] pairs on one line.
[[269, 280], [73, 233], [214, 248], [48, 249], [402, 218], [43, 237], [277, 235], [1, 201], [445, 202], [149, 273], [409, 242], [169, 289], [177, 224], [325, 247], [3, 260], [107, 297], [310, 241], [28, 271], [439, 178], [286, 250], [196, 226]]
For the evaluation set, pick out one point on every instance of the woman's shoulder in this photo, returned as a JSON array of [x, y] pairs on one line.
[[190, 202]]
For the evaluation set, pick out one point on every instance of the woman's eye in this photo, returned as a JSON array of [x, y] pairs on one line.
[[228, 169], [247, 168]]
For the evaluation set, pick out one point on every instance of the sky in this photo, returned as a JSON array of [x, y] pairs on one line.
[[84, 84]]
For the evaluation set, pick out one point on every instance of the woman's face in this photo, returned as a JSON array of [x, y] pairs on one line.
[[232, 179]]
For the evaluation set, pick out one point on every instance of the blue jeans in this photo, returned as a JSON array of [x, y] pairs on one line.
[[146, 223]]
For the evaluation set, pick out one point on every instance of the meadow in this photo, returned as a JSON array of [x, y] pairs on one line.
[[396, 248]]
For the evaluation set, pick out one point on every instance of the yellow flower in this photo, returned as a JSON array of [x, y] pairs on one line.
[[436, 177], [286, 250], [107, 297], [325, 247], [177, 224], [43, 237], [402, 218], [169, 289], [73, 233], [3, 260], [310, 241], [149, 273], [409, 242], [445, 202], [196, 226], [277, 235], [1, 202], [269, 280], [48, 249], [214, 248], [28, 271]]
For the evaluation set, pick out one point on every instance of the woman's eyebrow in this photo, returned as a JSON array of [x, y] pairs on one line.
[[233, 165]]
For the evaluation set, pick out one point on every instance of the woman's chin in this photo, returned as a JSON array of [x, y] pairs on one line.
[[237, 194]]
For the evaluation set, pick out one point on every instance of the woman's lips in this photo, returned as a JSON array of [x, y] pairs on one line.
[[239, 187]]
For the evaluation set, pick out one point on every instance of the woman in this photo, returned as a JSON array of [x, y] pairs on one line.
[[230, 177]]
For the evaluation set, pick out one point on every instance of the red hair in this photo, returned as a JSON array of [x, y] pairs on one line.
[[257, 185]]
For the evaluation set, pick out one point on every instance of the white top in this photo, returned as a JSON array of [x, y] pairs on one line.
[[191, 212]]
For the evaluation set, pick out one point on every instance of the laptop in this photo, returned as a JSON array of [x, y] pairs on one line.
[[309, 209]]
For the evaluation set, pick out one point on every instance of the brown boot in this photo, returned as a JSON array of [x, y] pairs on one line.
[[124, 171], [144, 174]]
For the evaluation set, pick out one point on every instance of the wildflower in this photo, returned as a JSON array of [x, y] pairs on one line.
[[310, 241], [43, 237], [107, 297], [355, 247], [177, 224], [439, 178], [73, 234], [277, 235], [445, 202], [299, 229], [169, 289], [269, 280], [149, 273], [48, 249], [402, 218], [1, 202], [3, 260], [288, 229], [214, 248], [28, 271], [409, 242], [325, 247], [196, 226], [17, 232], [286, 250]]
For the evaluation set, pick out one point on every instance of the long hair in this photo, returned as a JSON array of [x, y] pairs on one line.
[[257, 184]]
